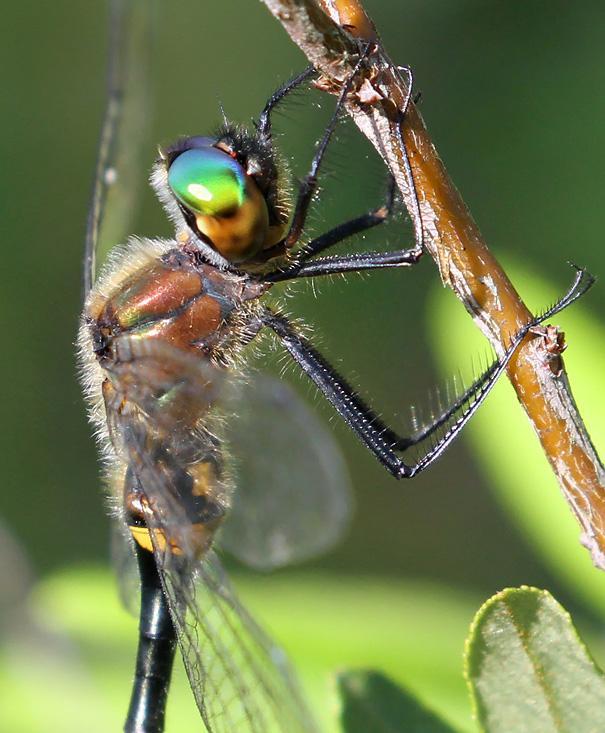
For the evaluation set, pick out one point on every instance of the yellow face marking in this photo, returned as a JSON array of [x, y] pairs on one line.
[[242, 234]]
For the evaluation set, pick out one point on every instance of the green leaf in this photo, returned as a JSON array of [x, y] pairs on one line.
[[528, 670], [371, 703]]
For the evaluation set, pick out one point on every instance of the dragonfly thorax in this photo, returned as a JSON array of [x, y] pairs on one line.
[[176, 299]]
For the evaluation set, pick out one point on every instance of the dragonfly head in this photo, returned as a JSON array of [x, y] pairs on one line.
[[225, 191]]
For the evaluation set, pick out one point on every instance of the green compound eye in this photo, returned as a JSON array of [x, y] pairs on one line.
[[207, 181]]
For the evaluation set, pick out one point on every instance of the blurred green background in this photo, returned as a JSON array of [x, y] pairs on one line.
[[513, 96]]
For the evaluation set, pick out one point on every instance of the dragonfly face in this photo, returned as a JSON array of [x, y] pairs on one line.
[[163, 335], [228, 193]]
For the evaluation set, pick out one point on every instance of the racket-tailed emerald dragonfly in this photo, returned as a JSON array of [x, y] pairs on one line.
[[184, 430]]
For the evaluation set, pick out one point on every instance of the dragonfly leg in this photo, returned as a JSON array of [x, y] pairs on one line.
[[353, 226], [264, 121], [347, 263], [364, 422], [414, 203], [383, 442], [308, 185], [362, 261]]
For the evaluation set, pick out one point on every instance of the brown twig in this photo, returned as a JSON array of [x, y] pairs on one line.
[[328, 32]]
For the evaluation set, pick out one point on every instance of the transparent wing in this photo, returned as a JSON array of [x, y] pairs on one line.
[[240, 679], [120, 172], [124, 562], [292, 497], [154, 404]]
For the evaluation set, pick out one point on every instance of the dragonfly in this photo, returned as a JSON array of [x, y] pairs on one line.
[[196, 450]]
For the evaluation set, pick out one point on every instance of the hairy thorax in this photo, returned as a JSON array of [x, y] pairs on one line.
[[175, 298]]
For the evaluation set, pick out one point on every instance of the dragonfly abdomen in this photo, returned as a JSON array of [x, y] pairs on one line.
[[196, 491]]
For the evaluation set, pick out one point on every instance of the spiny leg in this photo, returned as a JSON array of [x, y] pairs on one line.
[[414, 205], [348, 263], [359, 262], [308, 185], [264, 121], [381, 440], [353, 226]]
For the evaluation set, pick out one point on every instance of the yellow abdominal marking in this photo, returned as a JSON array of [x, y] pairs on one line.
[[142, 536], [201, 537]]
